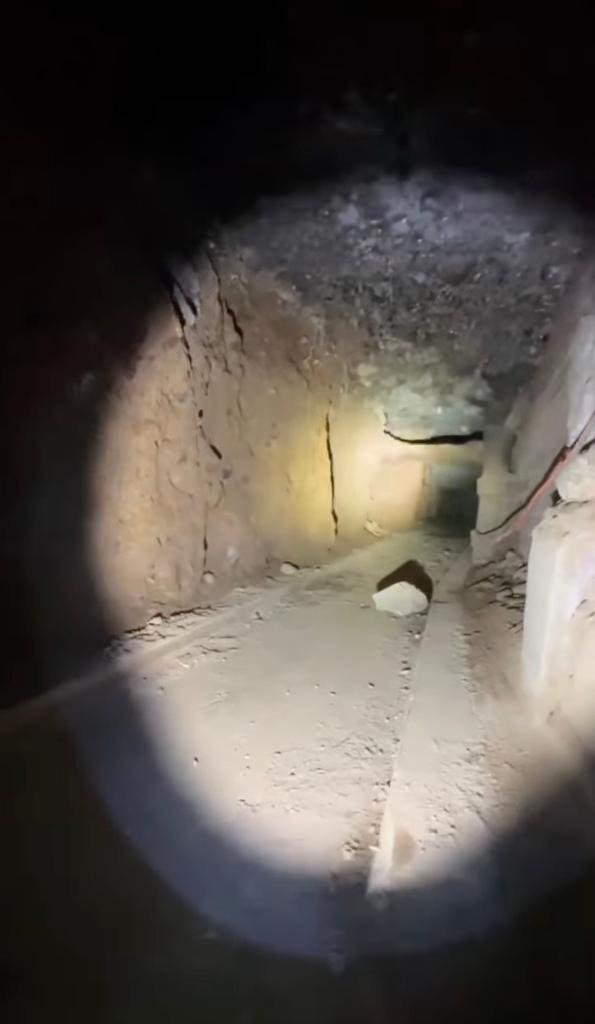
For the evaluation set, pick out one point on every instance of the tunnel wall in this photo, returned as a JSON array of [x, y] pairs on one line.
[[239, 441], [213, 457], [558, 536], [562, 397], [174, 445], [546, 417]]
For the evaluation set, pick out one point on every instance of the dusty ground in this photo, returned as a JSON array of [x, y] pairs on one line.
[[495, 598], [286, 719], [170, 833], [275, 720]]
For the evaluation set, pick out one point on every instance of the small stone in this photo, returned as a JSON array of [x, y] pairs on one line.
[[288, 569], [400, 599], [208, 577]]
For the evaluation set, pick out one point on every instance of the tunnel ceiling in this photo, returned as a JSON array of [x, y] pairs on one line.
[[414, 164], [452, 279]]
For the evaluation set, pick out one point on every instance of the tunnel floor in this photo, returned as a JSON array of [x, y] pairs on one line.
[[296, 725], [284, 719]]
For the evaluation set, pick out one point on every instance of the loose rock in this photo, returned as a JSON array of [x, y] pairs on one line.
[[400, 599], [288, 568]]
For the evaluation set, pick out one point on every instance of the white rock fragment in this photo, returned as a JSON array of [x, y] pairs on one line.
[[400, 599], [288, 568], [576, 482], [208, 577]]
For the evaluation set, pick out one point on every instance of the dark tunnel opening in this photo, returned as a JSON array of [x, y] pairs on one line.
[[134, 503]]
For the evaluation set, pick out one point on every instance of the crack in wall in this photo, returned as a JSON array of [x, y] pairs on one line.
[[241, 366], [438, 439], [223, 308], [205, 543], [228, 313], [239, 330], [185, 301], [197, 405], [198, 412], [192, 374], [331, 463]]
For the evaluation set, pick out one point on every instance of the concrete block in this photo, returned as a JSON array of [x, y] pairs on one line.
[[560, 577]]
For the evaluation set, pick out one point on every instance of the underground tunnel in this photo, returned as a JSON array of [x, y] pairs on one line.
[[298, 532]]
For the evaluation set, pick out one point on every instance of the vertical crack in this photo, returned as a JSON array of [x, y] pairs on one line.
[[198, 412], [205, 544], [229, 314], [331, 464], [200, 432], [181, 283]]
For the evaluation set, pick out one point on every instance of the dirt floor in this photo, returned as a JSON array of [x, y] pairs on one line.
[[195, 836]]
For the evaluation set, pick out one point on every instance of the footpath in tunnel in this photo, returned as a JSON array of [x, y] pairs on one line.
[[287, 717], [296, 726], [294, 773]]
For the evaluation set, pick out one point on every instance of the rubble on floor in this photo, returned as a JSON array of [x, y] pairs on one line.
[[494, 596], [288, 569], [400, 599], [503, 582]]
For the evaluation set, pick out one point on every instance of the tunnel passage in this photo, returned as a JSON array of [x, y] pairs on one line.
[[150, 466], [215, 357], [319, 374], [298, 386], [300, 389]]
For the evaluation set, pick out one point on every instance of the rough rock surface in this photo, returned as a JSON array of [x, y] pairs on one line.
[[548, 418], [576, 482], [451, 277], [213, 455]]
